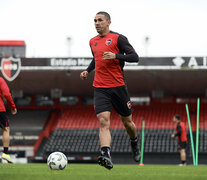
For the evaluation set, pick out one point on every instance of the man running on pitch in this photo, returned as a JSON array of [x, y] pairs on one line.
[[110, 51]]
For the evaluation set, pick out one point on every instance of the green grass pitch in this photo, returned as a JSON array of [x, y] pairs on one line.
[[96, 172]]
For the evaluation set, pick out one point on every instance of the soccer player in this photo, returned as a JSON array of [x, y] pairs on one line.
[[110, 51], [4, 122], [181, 137]]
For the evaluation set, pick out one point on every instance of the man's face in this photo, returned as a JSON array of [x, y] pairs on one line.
[[174, 120], [101, 23]]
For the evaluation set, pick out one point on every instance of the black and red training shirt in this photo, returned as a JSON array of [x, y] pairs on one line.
[[181, 132], [4, 91], [109, 73]]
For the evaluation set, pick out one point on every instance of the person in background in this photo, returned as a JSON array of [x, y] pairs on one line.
[[4, 122], [181, 137]]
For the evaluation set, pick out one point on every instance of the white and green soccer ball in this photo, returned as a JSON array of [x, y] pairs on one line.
[[57, 161]]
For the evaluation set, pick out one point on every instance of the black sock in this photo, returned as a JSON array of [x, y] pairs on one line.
[[6, 150], [134, 141], [105, 151], [183, 162]]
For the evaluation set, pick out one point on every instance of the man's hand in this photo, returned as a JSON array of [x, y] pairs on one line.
[[84, 75], [14, 111], [172, 135], [109, 55]]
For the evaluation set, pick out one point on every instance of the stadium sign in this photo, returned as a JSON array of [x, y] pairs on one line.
[[179, 61], [144, 63], [70, 62], [10, 68]]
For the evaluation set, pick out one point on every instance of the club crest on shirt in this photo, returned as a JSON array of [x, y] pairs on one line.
[[129, 104], [108, 42], [10, 67]]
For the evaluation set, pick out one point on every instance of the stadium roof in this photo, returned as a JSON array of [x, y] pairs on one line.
[[11, 43]]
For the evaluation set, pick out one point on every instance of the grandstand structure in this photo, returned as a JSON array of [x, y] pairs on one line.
[[14, 48], [56, 109]]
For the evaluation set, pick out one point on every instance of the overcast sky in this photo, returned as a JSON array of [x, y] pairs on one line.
[[62, 28]]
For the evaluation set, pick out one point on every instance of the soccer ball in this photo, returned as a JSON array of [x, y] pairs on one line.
[[57, 161]]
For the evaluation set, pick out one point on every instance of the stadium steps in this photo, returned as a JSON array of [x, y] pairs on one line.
[[76, 131], [71, 141], [26, 126], [49, 126], [155, 118]]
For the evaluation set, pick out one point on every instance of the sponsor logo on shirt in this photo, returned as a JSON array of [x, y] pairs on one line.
[[108, 42]]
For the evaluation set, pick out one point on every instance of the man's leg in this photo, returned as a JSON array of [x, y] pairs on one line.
[[104, 129], [6, 142], [131, 130], [183, 156], [105, 139], [129, 126], [6, 137]]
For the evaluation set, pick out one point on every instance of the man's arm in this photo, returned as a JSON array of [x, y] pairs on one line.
[[127, 52], [91, 66], [131, 57], [179, 130], [178, 133]]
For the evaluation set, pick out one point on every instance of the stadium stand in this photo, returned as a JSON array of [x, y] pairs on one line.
[[26, 126], [76, 131], [13, 48], [55, 108]]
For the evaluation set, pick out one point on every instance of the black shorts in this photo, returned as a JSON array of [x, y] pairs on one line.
[[4, 122], [182, 145], [117, 97]]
